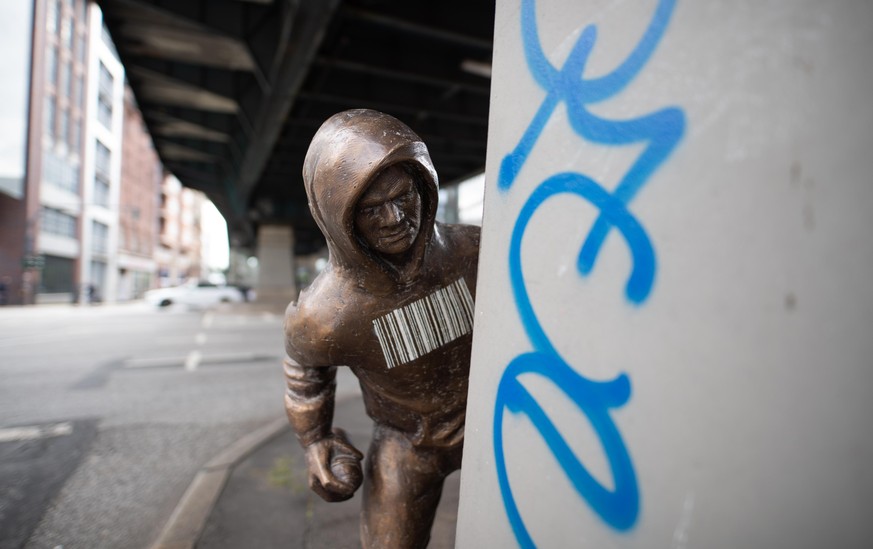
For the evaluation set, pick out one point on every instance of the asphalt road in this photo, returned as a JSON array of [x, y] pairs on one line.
[[106, 414]]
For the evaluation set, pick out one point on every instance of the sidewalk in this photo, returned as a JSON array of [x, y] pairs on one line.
[[255, 494]]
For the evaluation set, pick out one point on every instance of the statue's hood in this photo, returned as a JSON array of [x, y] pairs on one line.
[[346, 154]]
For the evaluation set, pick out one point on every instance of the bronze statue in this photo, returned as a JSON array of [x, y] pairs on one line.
[[394, 304]]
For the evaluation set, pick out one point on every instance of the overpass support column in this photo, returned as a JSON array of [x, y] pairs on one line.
[[685, 354], [276, 264]]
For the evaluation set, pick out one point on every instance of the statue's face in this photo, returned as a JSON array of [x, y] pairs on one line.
[[388, 214]]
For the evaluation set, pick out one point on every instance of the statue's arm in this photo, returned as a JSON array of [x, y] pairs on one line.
[[309, 400], [334, 463]]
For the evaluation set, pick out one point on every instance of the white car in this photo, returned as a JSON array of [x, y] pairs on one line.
[[199, 294]]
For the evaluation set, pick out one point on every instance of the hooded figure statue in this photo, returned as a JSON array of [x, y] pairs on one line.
[[395, 305]]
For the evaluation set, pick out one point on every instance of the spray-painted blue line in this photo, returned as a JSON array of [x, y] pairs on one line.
[[611, 208], [618, 507], [660, 132], [567, 84]]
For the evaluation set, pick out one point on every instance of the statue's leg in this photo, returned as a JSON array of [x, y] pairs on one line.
[[402, 488]]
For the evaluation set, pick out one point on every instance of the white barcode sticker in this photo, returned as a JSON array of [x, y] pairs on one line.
[[424, 325]]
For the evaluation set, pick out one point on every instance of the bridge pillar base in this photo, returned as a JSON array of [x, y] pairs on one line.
[[276, 264]]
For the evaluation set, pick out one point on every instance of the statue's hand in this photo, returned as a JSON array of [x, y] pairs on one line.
[[334, 467]]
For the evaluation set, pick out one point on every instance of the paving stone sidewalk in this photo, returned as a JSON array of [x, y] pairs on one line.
[[266, 503]]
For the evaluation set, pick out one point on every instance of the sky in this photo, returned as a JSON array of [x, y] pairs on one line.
[[214, 230], [14, 66]]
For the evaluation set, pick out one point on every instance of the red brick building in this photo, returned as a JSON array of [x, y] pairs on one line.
[[141, 175]]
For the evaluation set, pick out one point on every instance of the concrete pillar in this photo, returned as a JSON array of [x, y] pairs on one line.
[[276, 264], [674, 314]]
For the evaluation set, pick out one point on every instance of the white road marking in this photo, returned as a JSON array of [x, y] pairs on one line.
[[35, 432], [200, 338], [193, 360], [208, 319], [196, 359], [159, 362], [242, 358]]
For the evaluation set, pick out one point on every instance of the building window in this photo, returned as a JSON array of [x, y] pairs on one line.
[[55, 221], [80, 91], [104, 113], [67, 32], [70, 177], [105, 80], [102, 160], [101, 192], [64, 131], [102, 165], [99, 238], [49, 115], [76, 137], [60, 172], [51, 65], [81, 48], [51, 168], [66, 86], [57, 275], [104, 96], [53, 15]]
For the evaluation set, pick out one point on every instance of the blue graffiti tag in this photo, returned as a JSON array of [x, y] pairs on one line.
[[660, 132]]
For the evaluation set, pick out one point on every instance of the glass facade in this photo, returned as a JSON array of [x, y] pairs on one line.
[[53, 16], [60, 172], [99, 238], [64, 130], [102, 159], [76, 137], [104, 96], [51, 64], [49, 115], [80, 91], [56, 222], [66, 86], [67, 32], [80, 48], [101, 193]]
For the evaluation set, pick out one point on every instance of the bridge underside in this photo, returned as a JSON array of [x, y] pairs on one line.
[[233, 90]]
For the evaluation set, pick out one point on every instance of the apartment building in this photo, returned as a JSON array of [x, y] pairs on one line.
[[139, 206], [83, 224], [178, 254], [68, 217], [101, 189], [53, 203]]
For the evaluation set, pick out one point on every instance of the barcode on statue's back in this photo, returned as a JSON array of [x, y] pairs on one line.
[[427, 324]]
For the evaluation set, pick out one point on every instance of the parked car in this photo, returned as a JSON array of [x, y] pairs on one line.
[[199, 294]]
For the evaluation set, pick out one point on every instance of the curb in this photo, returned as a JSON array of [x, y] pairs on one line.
[[185, 525]]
